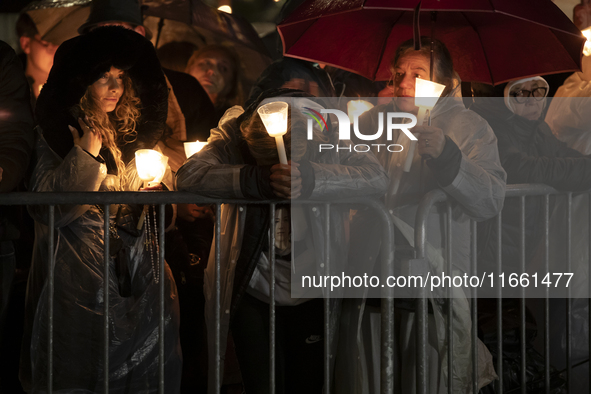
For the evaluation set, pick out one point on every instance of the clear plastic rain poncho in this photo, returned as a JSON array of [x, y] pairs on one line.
[[78, 327]]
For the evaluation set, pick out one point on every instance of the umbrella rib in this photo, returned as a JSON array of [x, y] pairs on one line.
[[482, 46], [384, 44]]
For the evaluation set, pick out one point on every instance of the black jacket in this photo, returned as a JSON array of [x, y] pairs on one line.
[[16, 134], [199, 112], [529, 153], [16, 119]]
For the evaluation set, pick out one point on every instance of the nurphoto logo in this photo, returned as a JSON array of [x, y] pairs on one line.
[[393, 120]]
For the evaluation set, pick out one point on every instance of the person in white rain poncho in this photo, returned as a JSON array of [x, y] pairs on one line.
[[458, 154], [105, 98]]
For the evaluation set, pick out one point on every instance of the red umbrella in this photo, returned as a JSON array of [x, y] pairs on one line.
[[491, 41]]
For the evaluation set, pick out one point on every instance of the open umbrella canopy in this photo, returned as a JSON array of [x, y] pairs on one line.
[[58, 20], [195, 22], [491, 41]]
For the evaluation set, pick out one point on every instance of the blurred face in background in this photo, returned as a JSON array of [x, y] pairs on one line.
[[40, 55], [528, 99], [215, 72]]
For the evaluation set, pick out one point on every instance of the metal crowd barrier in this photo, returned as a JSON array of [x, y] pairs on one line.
[[513, 192], [163, 198]]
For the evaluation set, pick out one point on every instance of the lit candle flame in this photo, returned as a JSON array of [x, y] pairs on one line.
[[587, 47], [193, 147], [150, 165]]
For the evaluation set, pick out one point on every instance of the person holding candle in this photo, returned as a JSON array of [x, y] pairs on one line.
[[105, 98], [457, 153], [241, 160]]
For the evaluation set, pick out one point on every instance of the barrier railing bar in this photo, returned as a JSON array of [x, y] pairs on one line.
[[327, 355], [387, 382], [499, 304], [107, 198], [474, 310], [217, 304], [450, 301], [106, 301], [589, 284], [547, 297], [569, 207], [50, 288], [425, 205], [512, 191], [522, 331], [272, 299], [161, 247]]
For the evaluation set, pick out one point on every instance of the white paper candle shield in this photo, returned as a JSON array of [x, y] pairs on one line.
[[426, 95], [151, 165], [193, 147], [274, 117]]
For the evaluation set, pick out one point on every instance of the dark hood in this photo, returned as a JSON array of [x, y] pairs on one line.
[[80, 62]]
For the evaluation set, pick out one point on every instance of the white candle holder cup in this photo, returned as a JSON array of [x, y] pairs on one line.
[[193, 147], [274, 117], [426, 95]]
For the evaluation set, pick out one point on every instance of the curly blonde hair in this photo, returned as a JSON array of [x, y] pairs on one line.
[[117, 127]]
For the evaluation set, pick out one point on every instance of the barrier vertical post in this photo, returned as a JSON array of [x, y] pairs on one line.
[[106, 280], [272, 321], [50, 292]]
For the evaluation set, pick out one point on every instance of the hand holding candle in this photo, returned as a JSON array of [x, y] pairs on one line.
[[150, 165], [274, 117], [426, 95]]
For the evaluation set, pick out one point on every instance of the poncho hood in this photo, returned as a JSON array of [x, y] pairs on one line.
[[79, 62]]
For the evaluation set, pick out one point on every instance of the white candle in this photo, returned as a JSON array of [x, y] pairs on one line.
[[193, 147], [426, 95], [150, 165], [274, 117]]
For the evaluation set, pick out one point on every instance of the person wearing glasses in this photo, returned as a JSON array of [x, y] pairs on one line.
[[529, 153]]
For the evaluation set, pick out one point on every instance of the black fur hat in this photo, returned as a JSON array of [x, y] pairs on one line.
[[80, 62]]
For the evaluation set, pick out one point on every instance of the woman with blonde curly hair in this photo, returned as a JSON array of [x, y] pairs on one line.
[[105, 98]]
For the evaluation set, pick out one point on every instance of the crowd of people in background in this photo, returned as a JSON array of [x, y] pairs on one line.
[[72, 116]]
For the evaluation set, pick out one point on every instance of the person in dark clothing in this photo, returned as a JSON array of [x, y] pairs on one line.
[[38, 54], [191, 114], [16, 142], [529, 153], [111, 81]]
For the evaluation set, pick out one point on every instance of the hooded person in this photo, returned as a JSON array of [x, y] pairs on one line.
[[105, 98], [239, 163], [190, 112], [456, 153], [529, 153]]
